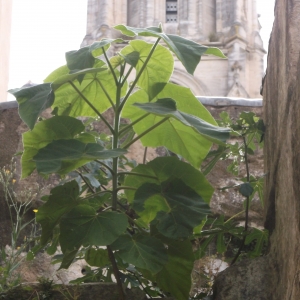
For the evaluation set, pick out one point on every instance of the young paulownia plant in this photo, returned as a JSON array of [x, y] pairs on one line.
[[135, 222]]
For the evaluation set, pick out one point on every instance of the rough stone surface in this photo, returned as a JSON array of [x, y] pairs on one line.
[[102, 291], [279, 274], [247, 280], [282, 149]]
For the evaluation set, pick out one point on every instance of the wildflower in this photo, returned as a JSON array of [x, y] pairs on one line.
[[7, 171], [14, 181], [35, 210]]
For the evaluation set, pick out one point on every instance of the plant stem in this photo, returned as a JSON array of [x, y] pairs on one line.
[[92, 107], [110, 66], [145, 155], [247, 203], [139, 75], [106, 166], [138, 174], [116, 272], [126, 76], [133, 123], [106, 94], [115, 144], [86, 182], [146, 131], [97, 193], [126, 188]]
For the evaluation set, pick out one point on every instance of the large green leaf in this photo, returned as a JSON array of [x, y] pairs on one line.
[[84, 226], [173, 134], [163, 168], [188, 52], [58, 127], [175, 277], [80, 59], [32, 102], [63, 156], [167, 107], [159, 67], [76, 75], [62, 199], [85, 57], [179, 208], [95, 87], [143, 251]]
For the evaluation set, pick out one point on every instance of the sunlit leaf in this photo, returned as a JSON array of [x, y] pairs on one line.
[[167, 107], [97, 257], [173, 134], [97, 88], [187, 51], [159, 67]]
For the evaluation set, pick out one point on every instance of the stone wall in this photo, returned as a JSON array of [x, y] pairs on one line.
[[228, 202]]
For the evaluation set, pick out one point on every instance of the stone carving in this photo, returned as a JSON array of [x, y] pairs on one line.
[[237, 90]]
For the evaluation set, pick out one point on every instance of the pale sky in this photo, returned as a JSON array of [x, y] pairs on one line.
[[43, 30]]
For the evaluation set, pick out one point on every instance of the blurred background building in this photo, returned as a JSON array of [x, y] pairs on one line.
[[231, 25]]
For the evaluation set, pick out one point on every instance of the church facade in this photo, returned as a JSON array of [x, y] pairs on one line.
[[231, 25]]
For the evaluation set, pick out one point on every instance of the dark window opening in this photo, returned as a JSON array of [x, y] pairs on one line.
[[171, 11]]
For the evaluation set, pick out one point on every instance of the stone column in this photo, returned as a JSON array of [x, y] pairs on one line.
[[5, 28]]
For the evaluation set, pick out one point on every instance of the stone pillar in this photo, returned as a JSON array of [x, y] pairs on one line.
[[279, 271], [5, 28], [282, 148]]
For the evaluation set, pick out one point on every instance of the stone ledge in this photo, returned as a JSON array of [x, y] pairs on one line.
[[227, 101], [8, 104], [85, 291]]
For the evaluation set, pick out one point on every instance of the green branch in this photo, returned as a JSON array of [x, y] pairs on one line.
[[126, 76], [247, 204], [133, 123], [126, 188], [139, 74], [122, 70], [138, 174], [86, 182], [145, 132], [92, 107], [97, 193], [110, 66], [106, 166], [106, 93]]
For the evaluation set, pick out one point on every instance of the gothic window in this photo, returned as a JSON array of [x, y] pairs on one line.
[[171, 11]]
